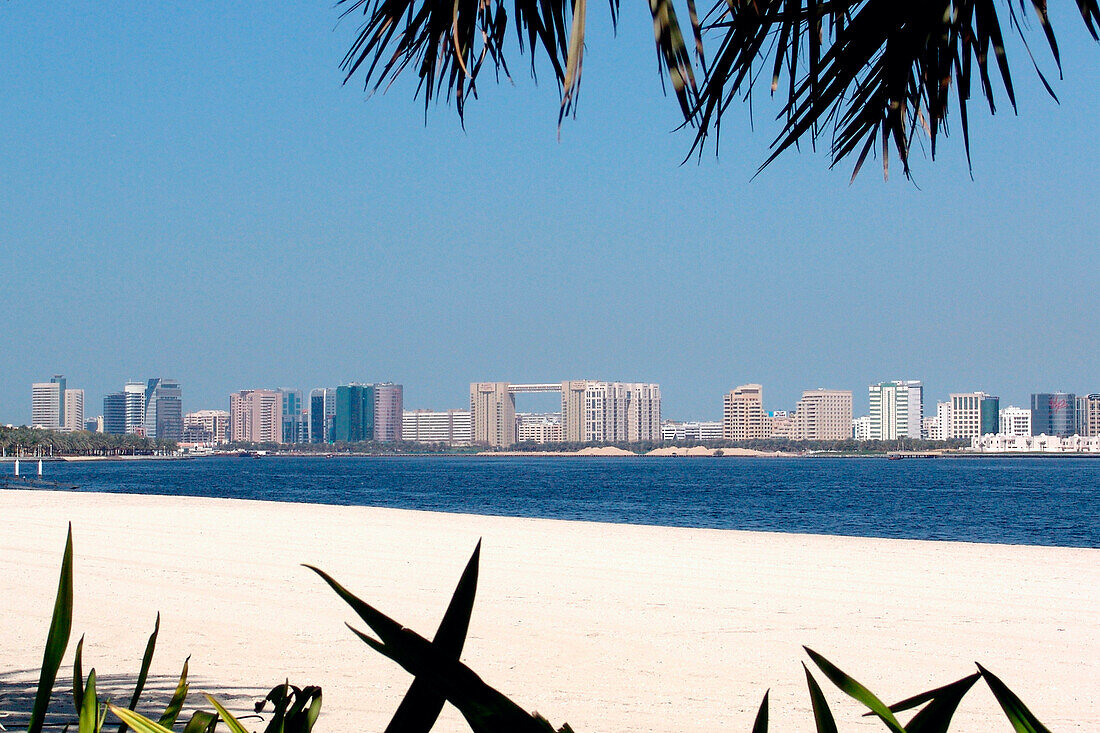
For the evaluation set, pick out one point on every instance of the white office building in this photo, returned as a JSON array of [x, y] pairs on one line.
[[1014, 421], [861, 428], [896, 409], [450, 427], [673, 431]]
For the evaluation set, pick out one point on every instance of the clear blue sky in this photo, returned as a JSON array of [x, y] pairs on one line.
[[186, 189]]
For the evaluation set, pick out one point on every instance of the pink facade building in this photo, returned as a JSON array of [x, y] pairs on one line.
[[256, 416]]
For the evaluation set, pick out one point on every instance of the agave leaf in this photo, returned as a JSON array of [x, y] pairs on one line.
[[143, 674], [943, 701], [137, 721], [57, 640], [823, 716], [855, 690], [1022, 719], [175, 705], [761, 724], [89, 707], [234, 724], [201, 722], [422, 704], [78, 675]]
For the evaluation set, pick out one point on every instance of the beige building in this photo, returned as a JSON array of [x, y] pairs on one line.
[[538, 428], [256, 416], [743, 416], [823, 414], [591, 411], [213, 423], [74, 410], [1088, 415], [610, 412], [974, 414], [492, 414]]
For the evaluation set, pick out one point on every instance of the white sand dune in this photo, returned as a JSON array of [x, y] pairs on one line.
[[613, 628]]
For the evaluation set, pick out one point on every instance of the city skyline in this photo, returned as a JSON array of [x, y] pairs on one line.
[[290, 233], [924, 406]]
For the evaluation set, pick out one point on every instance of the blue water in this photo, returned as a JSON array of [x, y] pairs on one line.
[[1052, 501]]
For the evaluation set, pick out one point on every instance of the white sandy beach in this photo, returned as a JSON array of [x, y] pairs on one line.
[[612, 628]]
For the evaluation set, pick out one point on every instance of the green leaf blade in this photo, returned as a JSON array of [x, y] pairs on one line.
[[57, 640]]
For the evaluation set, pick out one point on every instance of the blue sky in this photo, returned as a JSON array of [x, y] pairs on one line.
[[189, 190]]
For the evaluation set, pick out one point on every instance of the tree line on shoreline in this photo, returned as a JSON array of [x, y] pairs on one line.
[[39, 442], [770, 445]]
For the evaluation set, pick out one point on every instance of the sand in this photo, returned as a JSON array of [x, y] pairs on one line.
[[608, 627]]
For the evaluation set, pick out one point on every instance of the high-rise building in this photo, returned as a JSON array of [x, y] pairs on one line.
[[943, 420], [134, 393], [295, 426], [114, 413], [743, 416], [823, 414], [896, 409], [163, 409], [861, 428], [74, 410], [1088, 415], [1014, 421], [974, 414], [354, 420], [206, 426], [48, 403], [492, 414], [1054, 413], [389, 405], [255, 416], [451, 427], [610, 412], [322, 414]]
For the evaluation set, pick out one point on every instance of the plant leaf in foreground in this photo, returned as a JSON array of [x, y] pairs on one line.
[[942, 704], [78, 675], [1022, 719], [823, 717], [57, 640], [855, 690], [143, 674], [485, 709], [234, 724], [761, 724], [201, 722], [175, 705], [422, 704], [88, 722], [137, 721]]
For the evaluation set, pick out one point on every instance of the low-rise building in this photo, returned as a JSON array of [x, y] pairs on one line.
[[1035, 444], [695, 431], [450, 427]]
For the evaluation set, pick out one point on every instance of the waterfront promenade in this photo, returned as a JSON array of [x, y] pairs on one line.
[[612, 628]]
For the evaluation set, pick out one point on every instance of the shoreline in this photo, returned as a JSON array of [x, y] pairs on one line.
[[616, 628], [671, 452]]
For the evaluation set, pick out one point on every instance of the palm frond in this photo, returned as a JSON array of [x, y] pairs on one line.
[[862, 76]]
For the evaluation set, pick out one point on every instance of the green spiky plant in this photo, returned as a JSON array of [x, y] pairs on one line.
[[439, 675], [295, 710]]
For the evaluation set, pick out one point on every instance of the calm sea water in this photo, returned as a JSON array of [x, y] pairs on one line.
[[1017, 500]]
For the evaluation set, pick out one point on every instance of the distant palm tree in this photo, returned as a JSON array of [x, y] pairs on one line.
[[862, 76]]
